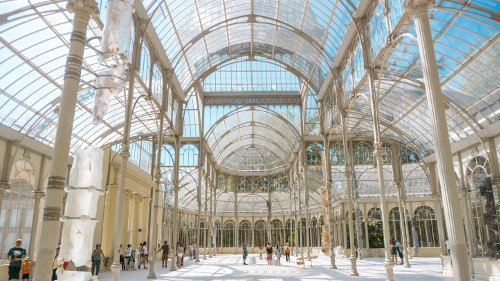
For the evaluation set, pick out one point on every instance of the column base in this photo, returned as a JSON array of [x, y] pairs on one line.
[[354, 271], [152, 276], [332, 259], [173, 266], [115, 269], [406, 261], [389, 269]]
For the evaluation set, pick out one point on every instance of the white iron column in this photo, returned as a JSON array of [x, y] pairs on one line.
[[398, 179], [290, 185], [215, 214], [58, 172], [154, 213], [210, 218], [464, 196], [136, 56], [236, 221], [453, 213], [348, 186], [329, 188], [175, 211], [306, 203], [198, 200], [205, 228]]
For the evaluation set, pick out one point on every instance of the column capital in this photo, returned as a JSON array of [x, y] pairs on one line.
[[83, 6], [137, 197], [128, 193], [416, 6]]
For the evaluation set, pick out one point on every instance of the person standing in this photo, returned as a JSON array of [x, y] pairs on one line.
[[16, 256], [26, 269], [180, 254], [394, 253], [141, 255], [269, 250], [260, 251], [399, 248], [245, 252], [97, 257], [287, 252], [190, 247], [164, 255], [128, 254], [195, 250], [122, 257], [145, 254], [278, 254], [55, 265]]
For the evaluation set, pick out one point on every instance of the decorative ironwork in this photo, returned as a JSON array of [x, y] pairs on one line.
[[252, 100]]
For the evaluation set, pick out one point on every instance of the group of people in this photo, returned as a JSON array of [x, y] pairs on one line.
[[280, 250], [396, 250], [192, 251], [140, 255]]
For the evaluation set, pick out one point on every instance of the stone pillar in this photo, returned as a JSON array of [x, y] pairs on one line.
[[329, 188], [137, 198], [58, 172], [110, 215], [125, 217], [453, 213]]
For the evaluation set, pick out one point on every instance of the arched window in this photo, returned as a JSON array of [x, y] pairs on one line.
[[409, 155], [245, 185], [337, 154], [260, 233], [290, 232], [375, 231], [228, 233], [188, 155], [230, 183], [157, 84], [477, 170], [426, 227], [363, 153], [18, 204], [245, 233], [260, 184], [395, 223], [314, 232], [277, 233], [167, 155], [283, 181], [313, 154]]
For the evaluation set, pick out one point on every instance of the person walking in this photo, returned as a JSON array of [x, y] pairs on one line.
[[26, 269], [180, 254], [260, 251], [55, 265], [190, 247], [16, 256], [164, 255], [287, 252], [278, 254], [195, 250], [269, 250], [141, 256], [97, 257], [245, 252], [399, 249]]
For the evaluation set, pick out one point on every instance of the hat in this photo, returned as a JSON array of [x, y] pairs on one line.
[[98, 244], [27, 258], [19, 240]]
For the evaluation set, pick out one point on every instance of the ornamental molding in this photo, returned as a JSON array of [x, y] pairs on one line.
[[252, 100]]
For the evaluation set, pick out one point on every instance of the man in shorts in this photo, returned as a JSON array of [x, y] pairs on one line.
[[16, 256], [245, 252], [164, 255]]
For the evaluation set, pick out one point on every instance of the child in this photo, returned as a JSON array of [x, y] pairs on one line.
[[26, 269]]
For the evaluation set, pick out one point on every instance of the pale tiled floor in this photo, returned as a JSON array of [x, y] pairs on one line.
[[230, 267]]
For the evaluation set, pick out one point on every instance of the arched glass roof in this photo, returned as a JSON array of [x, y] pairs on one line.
[[252, 139], [198, 35]]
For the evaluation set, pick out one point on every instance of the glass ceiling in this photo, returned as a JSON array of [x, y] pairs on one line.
[[252, 139], [213, 44]]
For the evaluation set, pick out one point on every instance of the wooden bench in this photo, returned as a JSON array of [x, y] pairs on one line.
[[301, 260]]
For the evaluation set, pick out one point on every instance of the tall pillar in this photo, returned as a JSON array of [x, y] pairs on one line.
[[301, 235], [125, 217], [306, 203], [236, 221], [58, 172], [215, 215], [155, 207], [348, 177], [290, 211], [175, 212], [453, 213], [198, 201], [205, 229], [329, 188], [296, 244], [136, 198]]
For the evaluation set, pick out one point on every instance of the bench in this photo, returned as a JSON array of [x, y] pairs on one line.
[[301, 260]]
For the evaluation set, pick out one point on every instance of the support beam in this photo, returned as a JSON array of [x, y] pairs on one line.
[[453, 213], [58, 172]]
